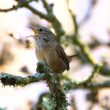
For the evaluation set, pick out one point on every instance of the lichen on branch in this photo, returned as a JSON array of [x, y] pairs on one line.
[[43, 73]]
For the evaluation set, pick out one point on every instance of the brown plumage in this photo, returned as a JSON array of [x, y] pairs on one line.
[[49, 51]]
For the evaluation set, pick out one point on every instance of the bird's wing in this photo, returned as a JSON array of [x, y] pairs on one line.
[[62, 55]]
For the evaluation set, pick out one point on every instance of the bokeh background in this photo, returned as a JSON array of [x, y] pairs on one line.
[[17, 54]]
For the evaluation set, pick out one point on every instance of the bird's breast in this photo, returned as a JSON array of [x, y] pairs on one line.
[[40, 54]]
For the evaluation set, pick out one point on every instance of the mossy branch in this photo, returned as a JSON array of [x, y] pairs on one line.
[[58, 96], [44, 73], [9, 79], [91, 86]]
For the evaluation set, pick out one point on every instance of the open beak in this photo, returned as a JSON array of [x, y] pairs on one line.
[[35, 30], [29, 36]]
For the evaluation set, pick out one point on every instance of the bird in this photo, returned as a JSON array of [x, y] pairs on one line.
[[49, 51]]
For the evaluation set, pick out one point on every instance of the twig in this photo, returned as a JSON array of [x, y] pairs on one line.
[[20, 4], [50, 17], [74, 21], [9, 9], [96, 69], [26, 5], [46, 6], [85, 49], [83, 85], [35, 11], [77, 40]]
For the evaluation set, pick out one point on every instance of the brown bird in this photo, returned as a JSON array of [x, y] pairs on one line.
[[49, 51]]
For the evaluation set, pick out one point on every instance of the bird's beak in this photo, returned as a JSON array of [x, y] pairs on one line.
[[35, 30], [29, 36]]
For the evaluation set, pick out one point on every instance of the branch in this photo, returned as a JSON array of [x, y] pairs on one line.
[[77, 40], [72, 85], [96, 69], [44, 73], [50, 17], [87, 84], [26, 5], [21, 3], [74, 20], [9, 79], [75, 85], [46, 6], [54, 85], [35, 11], [85, 49], [9, 9]]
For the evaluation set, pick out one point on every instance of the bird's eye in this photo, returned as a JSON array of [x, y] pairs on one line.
[[41, 29], [45, 39]]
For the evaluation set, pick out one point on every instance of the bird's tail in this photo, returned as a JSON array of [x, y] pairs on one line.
[[72, 56]]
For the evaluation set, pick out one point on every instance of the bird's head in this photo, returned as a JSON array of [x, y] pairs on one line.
[[42, 33]]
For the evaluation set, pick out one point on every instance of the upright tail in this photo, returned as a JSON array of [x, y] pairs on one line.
[[71, 57]]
